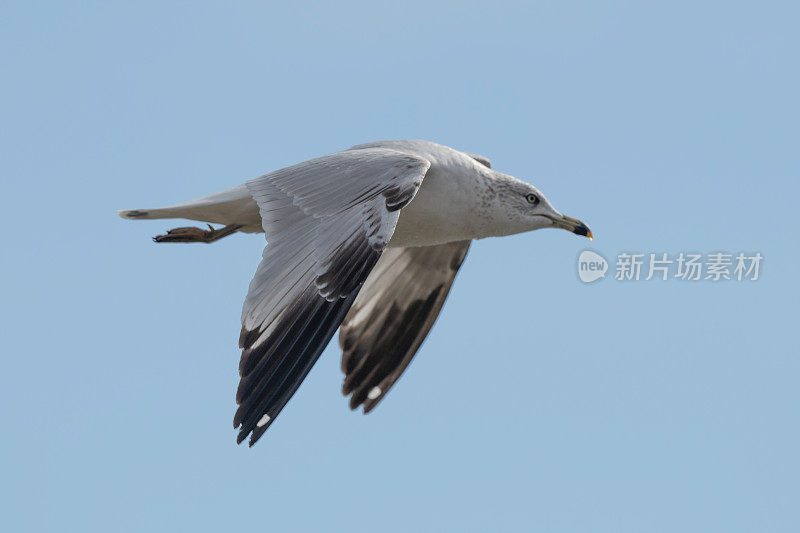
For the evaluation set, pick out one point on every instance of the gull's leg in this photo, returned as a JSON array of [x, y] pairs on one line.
[[192, 234]]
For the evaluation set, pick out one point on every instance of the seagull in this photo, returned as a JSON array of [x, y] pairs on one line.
[[368, 240]]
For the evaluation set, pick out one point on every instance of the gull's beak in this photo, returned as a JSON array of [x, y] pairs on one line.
[[572, 224]]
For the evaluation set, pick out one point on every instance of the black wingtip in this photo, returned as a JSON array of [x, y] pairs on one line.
[[284, 362], [257, 433]]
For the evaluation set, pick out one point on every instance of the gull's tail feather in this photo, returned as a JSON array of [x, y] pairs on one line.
[[145, 214], [232, 207]]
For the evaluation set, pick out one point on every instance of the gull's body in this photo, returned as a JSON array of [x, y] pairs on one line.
[[371, 239]]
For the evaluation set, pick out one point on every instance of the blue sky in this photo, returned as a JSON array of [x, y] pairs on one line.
[[538, 402]]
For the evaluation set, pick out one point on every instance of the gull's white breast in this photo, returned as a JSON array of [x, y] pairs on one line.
[[443, 210]]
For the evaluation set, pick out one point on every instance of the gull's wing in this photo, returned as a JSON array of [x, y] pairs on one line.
[[327, 222], [482, 159], [392, 315]]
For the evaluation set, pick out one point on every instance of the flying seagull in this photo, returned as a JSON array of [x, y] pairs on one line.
[[369, 239]]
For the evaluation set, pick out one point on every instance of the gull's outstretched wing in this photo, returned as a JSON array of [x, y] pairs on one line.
[[392, 315], [327, 222], [482, 159]]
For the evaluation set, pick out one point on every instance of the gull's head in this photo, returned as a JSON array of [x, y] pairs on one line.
[[525, 208]]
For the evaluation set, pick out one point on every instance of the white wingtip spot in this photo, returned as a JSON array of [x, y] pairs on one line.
[[263, 421], [373, 393]]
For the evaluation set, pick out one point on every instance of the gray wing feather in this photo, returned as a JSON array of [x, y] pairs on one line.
[[483, 160], [392, 315], [326, 222]]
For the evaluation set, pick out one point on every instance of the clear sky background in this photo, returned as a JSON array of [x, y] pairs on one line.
[[538, 403]]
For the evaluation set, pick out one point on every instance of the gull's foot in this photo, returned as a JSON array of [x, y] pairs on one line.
[[192, 234]]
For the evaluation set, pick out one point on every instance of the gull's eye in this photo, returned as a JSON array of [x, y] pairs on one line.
[[532, 198]]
